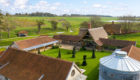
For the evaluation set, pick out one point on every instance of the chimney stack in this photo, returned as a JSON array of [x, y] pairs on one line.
[[89, 26], [112, 22]]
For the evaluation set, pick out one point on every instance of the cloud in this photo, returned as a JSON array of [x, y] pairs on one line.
[[97, 5], [20, 4], [5, 2]]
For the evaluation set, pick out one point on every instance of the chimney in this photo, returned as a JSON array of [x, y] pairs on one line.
[[89, 26], [112, 22]]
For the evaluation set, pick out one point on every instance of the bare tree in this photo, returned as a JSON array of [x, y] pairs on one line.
[[9, 24], [39, 24], [95, 21], [127, 23], [66, 24]]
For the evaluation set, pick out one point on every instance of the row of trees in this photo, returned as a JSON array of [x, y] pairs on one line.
[[54, 24], [94, 22]]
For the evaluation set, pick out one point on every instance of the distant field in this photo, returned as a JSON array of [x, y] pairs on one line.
[[92, 68]]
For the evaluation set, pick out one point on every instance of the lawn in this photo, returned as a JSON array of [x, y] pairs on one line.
[[7, 42], [131, 37], [92, 67]]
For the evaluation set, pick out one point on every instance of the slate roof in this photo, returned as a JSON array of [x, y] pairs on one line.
[[21, 65], [132, 51], [33, 42]]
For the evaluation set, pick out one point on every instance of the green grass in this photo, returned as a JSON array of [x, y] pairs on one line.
[[92, 64], [130, 37], [7, 42]]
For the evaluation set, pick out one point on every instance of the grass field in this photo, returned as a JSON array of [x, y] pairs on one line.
[[92, 67], [130, 37]]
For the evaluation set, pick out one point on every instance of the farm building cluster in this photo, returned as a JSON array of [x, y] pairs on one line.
[[19, 61]]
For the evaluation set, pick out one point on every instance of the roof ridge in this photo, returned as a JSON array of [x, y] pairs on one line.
[[131, 48], [39, 55], [32, 38]]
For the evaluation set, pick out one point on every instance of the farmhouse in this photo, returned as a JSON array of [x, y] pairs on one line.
[[113, 28], [35, 45], [90, 38], [21, 65], [22, 33]]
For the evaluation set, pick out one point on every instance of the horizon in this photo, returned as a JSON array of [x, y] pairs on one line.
[[59, 7]]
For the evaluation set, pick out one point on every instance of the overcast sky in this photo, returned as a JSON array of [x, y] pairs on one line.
[[100, 7]]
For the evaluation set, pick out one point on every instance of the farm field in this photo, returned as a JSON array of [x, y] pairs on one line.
[[92, 67]]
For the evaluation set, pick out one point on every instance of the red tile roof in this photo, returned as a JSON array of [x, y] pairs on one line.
[[116, 43], [132, 52], [23, 65], [67, 37], [33, 42], [22, 32]]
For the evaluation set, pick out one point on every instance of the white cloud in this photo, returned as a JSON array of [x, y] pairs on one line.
[[20, 4], [85, 2], [4, 2], [97, 5]]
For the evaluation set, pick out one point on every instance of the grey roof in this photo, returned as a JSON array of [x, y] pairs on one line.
[[121, 62]]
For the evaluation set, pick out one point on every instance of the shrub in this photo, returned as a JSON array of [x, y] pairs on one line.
[[55, 47], [78, 63]]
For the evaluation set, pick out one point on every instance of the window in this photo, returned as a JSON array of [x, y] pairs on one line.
[[73, 73]]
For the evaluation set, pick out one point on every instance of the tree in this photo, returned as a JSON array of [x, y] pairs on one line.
[[96, 22], [39, 24], [93, 52], [59, 54], [73, 52], [54, 24], [1, 27], [84, 24], [66, 24], [127, 23], [9, 24], [84, 61]]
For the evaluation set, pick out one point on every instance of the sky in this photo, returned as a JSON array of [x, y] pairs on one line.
[[59, 7]]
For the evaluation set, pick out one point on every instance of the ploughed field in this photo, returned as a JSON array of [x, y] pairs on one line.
[[92, 68]]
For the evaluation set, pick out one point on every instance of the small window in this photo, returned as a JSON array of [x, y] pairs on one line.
[[73, 73]]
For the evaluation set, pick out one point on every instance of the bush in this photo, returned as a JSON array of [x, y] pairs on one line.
[[83, 48], [78, 63], [55, 47]]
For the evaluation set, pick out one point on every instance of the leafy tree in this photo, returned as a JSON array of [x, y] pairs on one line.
[[39, 24], [96, 22], [84, 24], [54, 24], [66, 24], [127, 23], [1, 27], [59, 54], [84, 61], [9, 24], [74, 52]]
